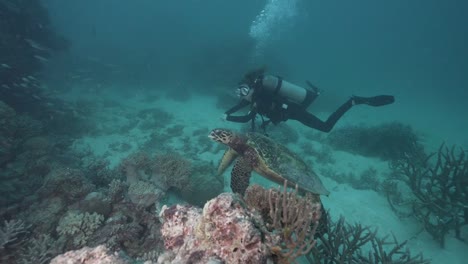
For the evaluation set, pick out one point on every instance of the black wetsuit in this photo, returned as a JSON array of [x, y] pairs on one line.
[[278, 109]]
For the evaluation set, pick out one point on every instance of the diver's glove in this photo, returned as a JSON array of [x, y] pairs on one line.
[[378, 100], [224, 117]]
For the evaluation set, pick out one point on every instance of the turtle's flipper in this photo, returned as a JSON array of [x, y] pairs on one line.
[[228, 157], [240, 176]]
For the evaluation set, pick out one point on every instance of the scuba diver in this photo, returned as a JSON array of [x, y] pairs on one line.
[[278, 100]]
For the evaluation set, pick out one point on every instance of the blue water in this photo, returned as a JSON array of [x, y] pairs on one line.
[[118, 77]]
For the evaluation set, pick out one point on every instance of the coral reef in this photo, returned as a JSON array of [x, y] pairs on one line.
[[136, 166], [116, 190], [389, 141], [97, 255], [345, 243], [167, 171], [79, 226], [204, 184], [40, 250], [12, 236], [367, 180], [274, 225], [292, 220], [171, 170], [134, 230], [223, 232], [144, 194], [67, 183], [438, 183]]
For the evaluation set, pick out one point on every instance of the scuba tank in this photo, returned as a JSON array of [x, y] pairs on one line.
[[291, 92]]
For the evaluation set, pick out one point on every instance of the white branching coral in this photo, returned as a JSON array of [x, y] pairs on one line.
[[79, 226], [12, 236], [39, 250], [10, 233]]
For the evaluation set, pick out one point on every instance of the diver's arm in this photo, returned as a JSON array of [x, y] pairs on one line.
[[237, 107], [242, 119]]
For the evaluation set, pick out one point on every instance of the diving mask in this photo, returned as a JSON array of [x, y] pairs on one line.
[[243, 90]]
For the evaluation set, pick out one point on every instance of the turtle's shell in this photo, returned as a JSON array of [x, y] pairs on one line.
[[283, 161]]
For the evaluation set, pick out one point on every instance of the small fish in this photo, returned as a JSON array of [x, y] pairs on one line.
[[41, 58], [25, 79], [36, 45], [4, 65], [25, 85], [36, 97], [6, 86], [32, 77]]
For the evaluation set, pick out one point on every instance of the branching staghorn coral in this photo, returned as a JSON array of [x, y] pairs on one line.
[[40, 250], [79, 226], [12, 235], [439, 184], [345, 243], [11, 232]]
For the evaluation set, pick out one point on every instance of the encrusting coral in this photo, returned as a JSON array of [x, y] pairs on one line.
[[86, 255], [227, 230], [223, 231]]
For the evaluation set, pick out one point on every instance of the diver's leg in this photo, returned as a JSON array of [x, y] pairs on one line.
[[312, 121], [308, 119]]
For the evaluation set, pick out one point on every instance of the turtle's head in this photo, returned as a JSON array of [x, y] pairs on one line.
[[223, 136]]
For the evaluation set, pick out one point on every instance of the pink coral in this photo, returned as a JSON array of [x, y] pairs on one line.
[[223, 231], [86, 255]]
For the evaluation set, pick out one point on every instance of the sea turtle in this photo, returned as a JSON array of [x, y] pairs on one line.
[[271, 160]]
